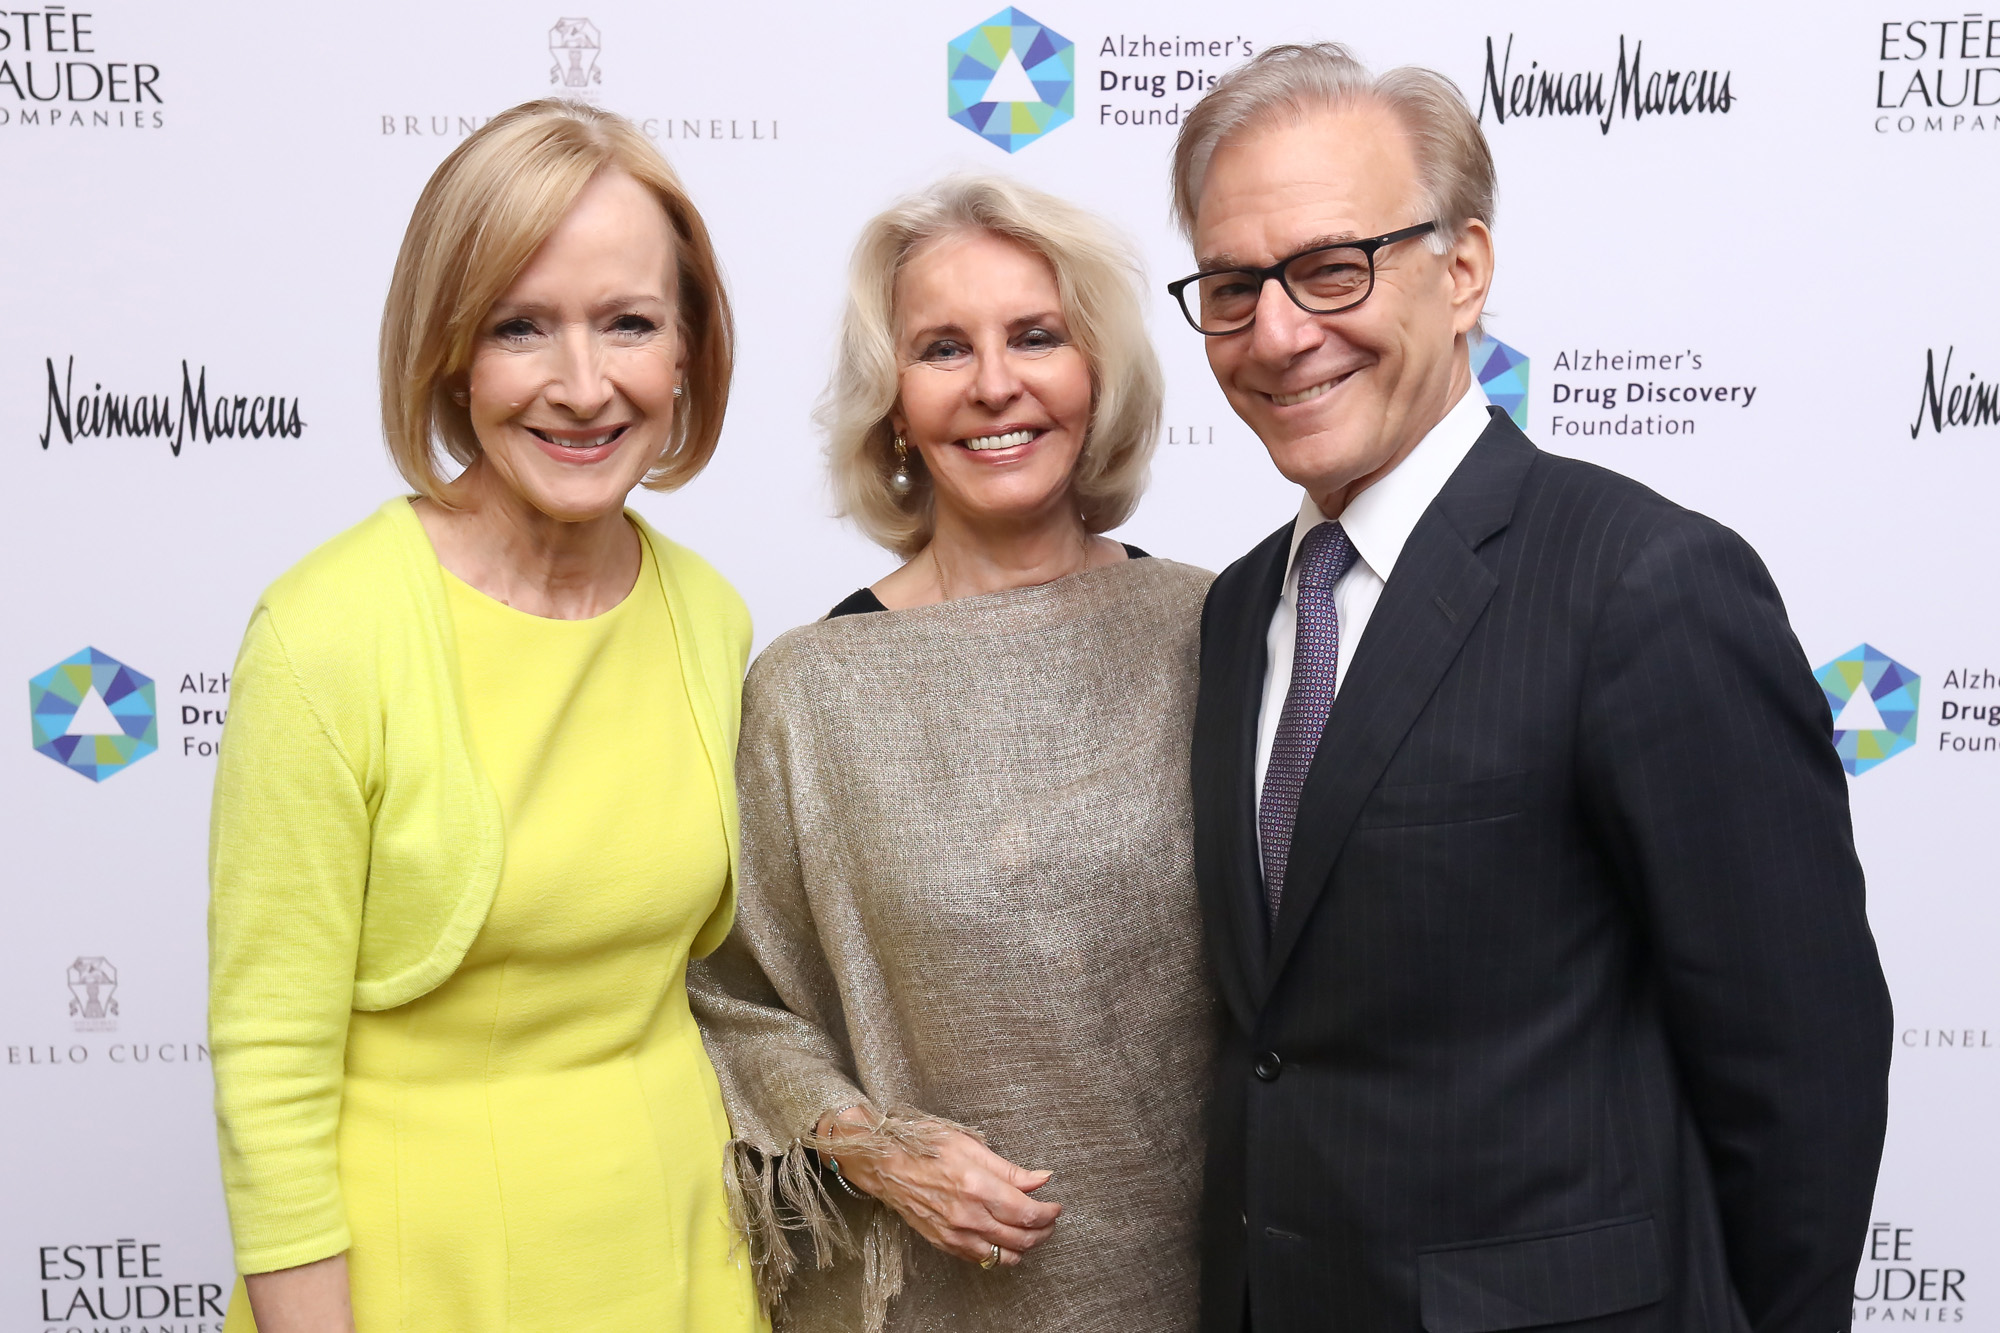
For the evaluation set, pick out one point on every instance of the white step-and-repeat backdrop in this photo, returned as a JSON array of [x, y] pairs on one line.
[[1747, 255]]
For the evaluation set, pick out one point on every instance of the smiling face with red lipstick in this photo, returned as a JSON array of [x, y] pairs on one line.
[[571, 388], [570, 395]]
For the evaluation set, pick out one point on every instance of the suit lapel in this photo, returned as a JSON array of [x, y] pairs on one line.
[[1428, 609], [1225, 768]]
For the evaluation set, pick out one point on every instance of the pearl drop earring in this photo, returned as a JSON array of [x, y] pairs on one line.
[[899, 480]]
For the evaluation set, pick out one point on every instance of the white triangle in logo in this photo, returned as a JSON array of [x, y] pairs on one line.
[[1011, 82], [93, 718], [1860, 713]]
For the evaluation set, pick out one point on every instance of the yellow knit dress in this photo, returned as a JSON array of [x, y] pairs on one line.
[[538, 1142]]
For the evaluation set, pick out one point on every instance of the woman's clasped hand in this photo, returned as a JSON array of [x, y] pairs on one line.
[[953, 1190]]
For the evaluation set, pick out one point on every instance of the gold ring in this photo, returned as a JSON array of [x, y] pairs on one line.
[[992, 1257]]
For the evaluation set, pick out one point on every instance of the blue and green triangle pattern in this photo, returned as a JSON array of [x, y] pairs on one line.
[[1890, 691], [93, 714], [1010, 80], [1503, 373]]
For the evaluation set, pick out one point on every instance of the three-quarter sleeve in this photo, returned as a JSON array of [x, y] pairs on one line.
[[288, 869]]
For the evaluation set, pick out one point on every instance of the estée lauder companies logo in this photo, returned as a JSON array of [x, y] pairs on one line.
[[1937, 75], [54, 75]]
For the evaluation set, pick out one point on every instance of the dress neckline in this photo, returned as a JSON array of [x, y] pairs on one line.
[[459, 589], [863, 601]]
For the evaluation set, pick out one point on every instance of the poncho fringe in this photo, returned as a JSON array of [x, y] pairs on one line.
[[777, 1197]]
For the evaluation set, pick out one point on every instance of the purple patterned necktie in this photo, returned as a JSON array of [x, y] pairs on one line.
[[1324, 556]]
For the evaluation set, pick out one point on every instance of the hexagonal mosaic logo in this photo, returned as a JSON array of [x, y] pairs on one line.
[[1011, 79], [1503, 373], [1874, 703], [93, 714]]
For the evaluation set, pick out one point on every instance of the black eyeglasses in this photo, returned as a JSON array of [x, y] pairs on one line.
[[1321, 281]]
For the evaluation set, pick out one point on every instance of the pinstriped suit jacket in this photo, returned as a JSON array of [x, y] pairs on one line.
[[1571, 1014]]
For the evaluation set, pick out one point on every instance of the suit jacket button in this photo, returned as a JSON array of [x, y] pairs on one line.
[[1268, 1067]]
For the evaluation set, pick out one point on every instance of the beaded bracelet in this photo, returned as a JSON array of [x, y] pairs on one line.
[[840, 1178]]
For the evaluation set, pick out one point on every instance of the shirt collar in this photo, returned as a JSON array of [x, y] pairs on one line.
[[1380, 519]]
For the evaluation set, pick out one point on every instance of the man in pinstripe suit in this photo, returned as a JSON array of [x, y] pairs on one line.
[[1522, 842]]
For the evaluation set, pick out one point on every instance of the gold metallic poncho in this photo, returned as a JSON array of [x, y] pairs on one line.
[[968, 895]]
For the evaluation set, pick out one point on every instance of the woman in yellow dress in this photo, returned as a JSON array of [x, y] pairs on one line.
[[475, 806]]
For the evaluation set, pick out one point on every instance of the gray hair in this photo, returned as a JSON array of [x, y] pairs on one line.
[[1097, 277], [1453, 159]]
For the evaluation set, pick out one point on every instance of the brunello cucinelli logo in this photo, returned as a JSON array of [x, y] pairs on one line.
[[1943, 406], [95, 1005], [54, 75], [1629, 391], [1938, 75], [1947, 1039], [197, 413], [1899, 1282], [574, 44], [1630, 90], [87, 1286], [28, 1055], [93, 992], [574, 49], [1146, 79]]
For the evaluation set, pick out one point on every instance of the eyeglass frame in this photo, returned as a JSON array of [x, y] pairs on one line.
[[1270, 272]]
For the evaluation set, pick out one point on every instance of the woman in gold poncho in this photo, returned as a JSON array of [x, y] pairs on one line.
[[965, 997]]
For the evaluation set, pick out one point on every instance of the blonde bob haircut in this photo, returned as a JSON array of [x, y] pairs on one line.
[[1097, 277], [486, 210]]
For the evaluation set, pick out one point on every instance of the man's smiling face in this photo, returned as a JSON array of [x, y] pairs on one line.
[[1338, 399]]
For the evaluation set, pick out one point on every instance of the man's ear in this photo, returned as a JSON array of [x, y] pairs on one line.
[[1470, 263]]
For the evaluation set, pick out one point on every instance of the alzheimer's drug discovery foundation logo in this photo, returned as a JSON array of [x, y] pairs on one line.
[[93, 714], [1874, 703], [1010, 80], [1503, 374]]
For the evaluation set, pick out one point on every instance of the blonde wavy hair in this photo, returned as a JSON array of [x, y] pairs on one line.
[[1097, 277], [486, 210]]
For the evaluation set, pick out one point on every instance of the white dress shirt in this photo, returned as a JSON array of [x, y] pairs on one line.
[[1378, 522]]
